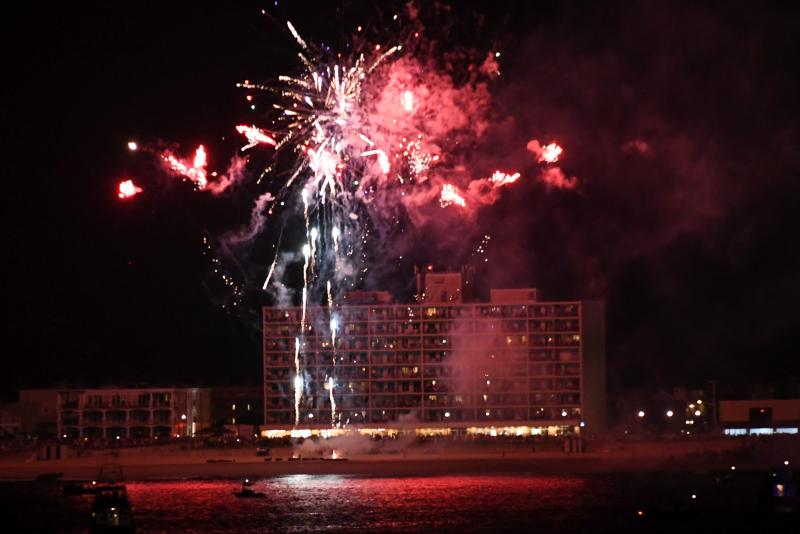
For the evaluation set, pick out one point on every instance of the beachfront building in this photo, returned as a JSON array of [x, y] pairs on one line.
[[35, 411], [512, 365], [238, 409], [131, 413], [759, 417]]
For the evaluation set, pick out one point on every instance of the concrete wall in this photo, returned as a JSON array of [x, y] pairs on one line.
[[593, 325]]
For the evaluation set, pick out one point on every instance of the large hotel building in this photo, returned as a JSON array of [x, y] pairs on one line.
[[513, 365]]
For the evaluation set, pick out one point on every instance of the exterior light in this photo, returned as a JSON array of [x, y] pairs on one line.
[[697, 413], [183, 417], [694, 496], [699, 401], [733, 468], [670, 413], [447, 414], [786, 462], [640, 414], [132, 145], [583, 424], [563, 413]]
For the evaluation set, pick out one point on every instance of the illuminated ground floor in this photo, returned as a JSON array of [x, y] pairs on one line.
[[498, 429]]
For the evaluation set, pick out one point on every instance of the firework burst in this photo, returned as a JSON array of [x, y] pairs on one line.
[[374, 138]]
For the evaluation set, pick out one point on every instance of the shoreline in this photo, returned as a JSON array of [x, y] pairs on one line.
[[173, 462], [544, 465]]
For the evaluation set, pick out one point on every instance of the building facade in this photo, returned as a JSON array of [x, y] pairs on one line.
[[131, 413], [759, 417], [240, 409], [510, 365]]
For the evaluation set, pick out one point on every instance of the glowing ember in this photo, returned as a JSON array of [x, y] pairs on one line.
[[127, 189], [545, 153], [196, 172], [551, 153], [254, 136], [501, 178], [451, 196]]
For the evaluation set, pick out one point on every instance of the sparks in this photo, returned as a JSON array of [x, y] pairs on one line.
[[450, 196], [254, 136], [501, 178], [195, 172], [551, 153]]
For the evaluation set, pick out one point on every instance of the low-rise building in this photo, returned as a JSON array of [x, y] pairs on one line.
[[137, 413], [759, 416]]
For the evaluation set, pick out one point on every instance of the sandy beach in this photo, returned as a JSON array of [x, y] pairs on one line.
[[171, 462]]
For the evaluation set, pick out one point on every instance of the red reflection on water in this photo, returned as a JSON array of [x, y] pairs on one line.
[[301, 502]]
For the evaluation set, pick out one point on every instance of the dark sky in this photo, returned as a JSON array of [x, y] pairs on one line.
[[692, 243]]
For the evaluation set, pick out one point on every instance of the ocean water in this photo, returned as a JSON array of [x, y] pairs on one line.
[[466, 503]]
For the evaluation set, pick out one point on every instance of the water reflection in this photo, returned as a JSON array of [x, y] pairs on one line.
[[340, 503]]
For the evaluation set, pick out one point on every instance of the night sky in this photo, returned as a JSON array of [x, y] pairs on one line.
[[690, 239]]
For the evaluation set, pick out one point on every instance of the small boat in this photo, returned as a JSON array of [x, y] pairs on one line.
[[111, 511], [780, 491], [89, 488], [249, 493]]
